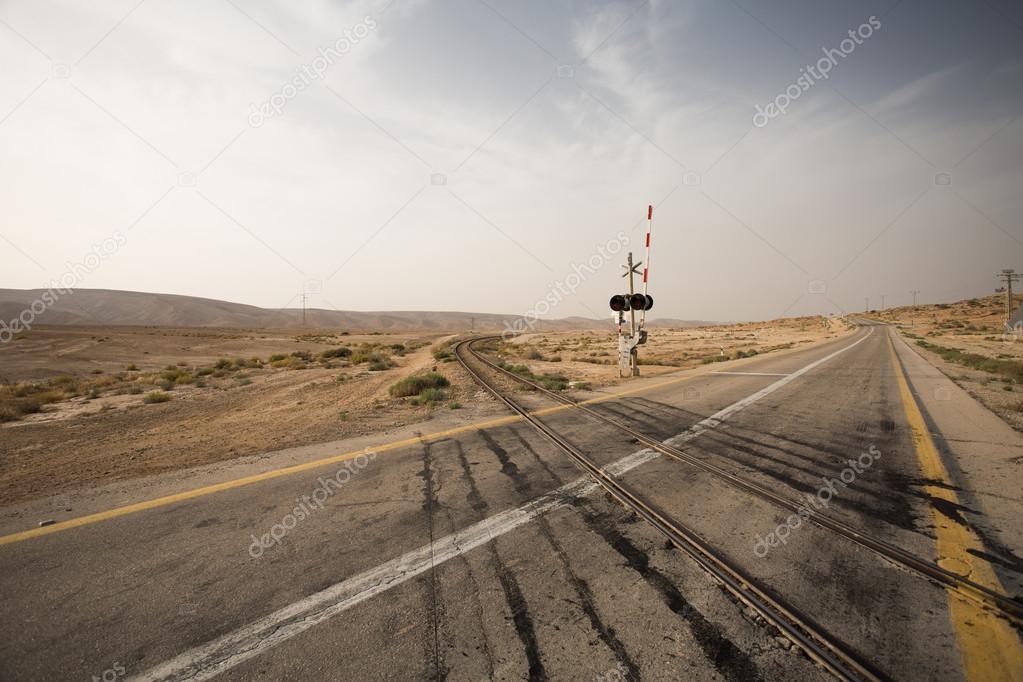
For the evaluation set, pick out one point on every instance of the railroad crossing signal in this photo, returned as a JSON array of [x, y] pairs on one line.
[[641, 301], [628, 359], [627, 302]]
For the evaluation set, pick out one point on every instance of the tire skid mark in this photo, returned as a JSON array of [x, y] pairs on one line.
[[605, 632], [521, 618], [475, 501], [727, 658], [536, 455], [435, 605], [648, 424]]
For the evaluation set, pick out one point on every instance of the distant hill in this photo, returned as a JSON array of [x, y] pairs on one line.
[[101, 307]]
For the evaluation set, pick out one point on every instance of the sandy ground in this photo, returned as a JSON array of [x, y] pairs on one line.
[[113, 435], [973, 326], [592, 356]]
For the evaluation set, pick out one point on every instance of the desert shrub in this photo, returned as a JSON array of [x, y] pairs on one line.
[[533, 354], [442, 353], [430, 395], [166, 385], [132, 367], [172, 374], [277, 357], [303, 355], [244, 381], [1010, 370], [516, 369], [554, 358], [416, 384], [553, 382], [290, 362], [135, 389], [341, 352], [714, 358], [156, 397], [377, 358], [378, 366], [204, 372], [68, 385], [454, 405], [23, 398]]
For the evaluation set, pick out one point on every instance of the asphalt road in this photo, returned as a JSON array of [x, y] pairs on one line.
[[483, 555]]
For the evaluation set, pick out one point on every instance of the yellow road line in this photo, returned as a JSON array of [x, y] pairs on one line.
[[989, 646], [315, 464], [306, 466]]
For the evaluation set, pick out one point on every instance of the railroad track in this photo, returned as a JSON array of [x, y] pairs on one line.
[[1001, 604], [827, 651]]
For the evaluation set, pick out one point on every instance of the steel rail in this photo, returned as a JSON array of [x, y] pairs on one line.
[[1004, 605], [819, 646]]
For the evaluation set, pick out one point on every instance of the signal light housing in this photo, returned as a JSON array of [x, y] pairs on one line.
[[619, 303], [641, 302]]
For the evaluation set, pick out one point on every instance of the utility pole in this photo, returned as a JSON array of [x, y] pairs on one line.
[[1008, 276], [304, 297], [882, 301], [912, 321], [866, 304]]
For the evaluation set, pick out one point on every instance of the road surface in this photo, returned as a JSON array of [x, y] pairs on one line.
[[483, 553]]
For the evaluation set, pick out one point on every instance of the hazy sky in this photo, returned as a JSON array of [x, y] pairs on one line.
[[145, 119]]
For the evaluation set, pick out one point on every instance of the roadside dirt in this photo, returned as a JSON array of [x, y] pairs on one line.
[[108, 432], [969, 343]]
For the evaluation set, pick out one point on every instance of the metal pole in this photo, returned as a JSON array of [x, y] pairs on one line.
[[646, 266], [866, 305], [1010, 276], [632, 320]]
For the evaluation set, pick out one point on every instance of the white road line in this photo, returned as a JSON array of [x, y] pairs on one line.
[[210, 659], [755, 374]]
